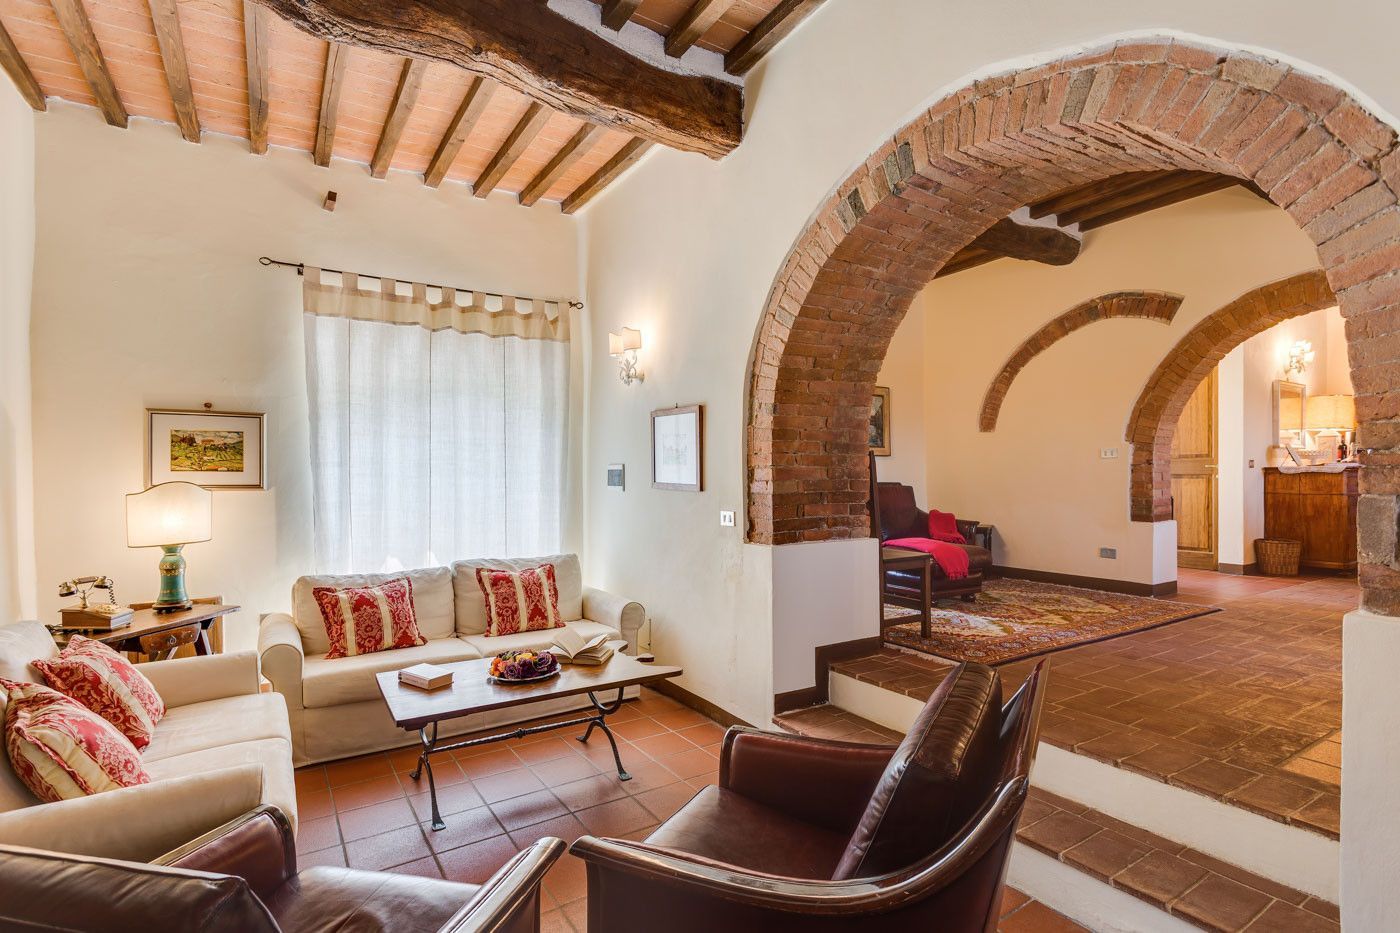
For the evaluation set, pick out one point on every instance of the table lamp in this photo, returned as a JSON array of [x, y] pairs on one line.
[[169, 516], [1333, 414]]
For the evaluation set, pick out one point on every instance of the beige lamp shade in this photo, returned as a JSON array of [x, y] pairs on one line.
[[629, 339], [1334, 412], [170, 513]]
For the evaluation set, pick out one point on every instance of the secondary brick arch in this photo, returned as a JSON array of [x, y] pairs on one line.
[[1003, 142], [1151, 306], [1159, 406]]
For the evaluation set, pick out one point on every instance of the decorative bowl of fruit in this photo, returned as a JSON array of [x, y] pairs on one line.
[[522, 667]]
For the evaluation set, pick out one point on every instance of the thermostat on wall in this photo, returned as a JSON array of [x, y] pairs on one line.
[[617, 476]]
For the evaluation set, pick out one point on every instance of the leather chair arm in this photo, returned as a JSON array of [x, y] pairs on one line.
[[837, 777], [509, 901], [258, 847]]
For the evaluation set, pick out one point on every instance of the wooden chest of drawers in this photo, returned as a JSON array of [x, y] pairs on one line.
[[1318, 509]]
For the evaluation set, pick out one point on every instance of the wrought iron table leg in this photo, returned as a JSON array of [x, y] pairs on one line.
[[425, 764], [601, 725]]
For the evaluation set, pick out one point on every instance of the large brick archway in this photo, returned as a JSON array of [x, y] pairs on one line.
[[1003, 142], [1159, 406]]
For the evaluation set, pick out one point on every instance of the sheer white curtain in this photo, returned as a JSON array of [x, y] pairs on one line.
[[439, 429]]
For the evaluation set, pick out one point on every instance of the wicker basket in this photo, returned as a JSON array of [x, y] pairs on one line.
[[1278, 557]]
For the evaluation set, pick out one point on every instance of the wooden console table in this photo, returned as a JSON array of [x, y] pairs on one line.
[[162, 634]]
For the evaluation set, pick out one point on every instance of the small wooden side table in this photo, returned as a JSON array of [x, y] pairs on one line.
[[898, 558], [158, 634]]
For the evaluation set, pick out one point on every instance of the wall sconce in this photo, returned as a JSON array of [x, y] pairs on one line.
[[1300, 356], [624, 347]]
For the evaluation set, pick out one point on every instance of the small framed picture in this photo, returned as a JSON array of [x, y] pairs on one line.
[[213, 449], [676, 453], [880, 422]]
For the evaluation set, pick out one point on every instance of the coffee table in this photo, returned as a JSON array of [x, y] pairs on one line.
[[470, 694]]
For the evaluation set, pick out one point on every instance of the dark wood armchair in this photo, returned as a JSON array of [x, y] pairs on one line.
[[243, 878], [806, 834]]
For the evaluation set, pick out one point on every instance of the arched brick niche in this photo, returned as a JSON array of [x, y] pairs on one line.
[[1154, 417], [1003, 142], [1151, 306]]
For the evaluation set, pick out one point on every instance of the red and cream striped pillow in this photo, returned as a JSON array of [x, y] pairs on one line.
[[521, 600], [61, 749], [365, 619], [108, 684]]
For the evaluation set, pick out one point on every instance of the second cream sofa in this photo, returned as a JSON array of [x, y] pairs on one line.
[[334, 705]]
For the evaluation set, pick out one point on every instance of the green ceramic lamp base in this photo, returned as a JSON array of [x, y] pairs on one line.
[[173, 597]]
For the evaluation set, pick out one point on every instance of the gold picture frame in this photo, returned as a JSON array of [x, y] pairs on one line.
[[213, 449], [879, 439]]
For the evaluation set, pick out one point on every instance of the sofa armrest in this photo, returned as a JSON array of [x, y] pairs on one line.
[[624, 615], [837, 778], [279, 647], [137, 823], [183, 681], [510, 899], [258, 847]]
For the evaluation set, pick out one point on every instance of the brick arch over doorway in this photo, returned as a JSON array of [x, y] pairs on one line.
[[1003, 142], [1154, 417], [1151, 306]]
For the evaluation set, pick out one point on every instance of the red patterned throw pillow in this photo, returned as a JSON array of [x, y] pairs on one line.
[[108, 684], [61, 749], [520, 600], [365, 619]]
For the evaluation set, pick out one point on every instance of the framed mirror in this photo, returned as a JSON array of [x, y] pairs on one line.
[[1290, 413]]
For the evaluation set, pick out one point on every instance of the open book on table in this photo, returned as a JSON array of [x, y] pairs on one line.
[[572, 648]]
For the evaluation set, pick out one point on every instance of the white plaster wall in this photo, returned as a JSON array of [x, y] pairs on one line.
[[822, 594], [17, 581], [147, 293]]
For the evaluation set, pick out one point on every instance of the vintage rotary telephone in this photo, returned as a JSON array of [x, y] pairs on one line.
[[99, 615]]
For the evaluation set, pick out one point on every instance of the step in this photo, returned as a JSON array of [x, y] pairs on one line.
[[1104, 872]]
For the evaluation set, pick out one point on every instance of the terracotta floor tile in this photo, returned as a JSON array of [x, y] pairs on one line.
[[589, 792], [1285, 918], [554, 921], [1011, 899], [681, 719], [519, 812], [1221, 904], [376, 818], [451, 799], [663, 802], [1327, 752], [646, 775], [312, 778], [313, 805], [423, 867], [566, 827], [1273, 793], [462, 829], [1214, 778], [1315, 769], [1160, 878], [445, 771], [1058, 832], [637, 728], [366, 793], [317, 834], [1105, 854], [1035, 917], [333, 857], [563, 770], [615, 817], [475, 863], [351, 770], [1323, 909], [567, 880], [483, 764], [506, 784], [577, 915], [546, 750], [1323, 814], [387, 849], [692, 763], [663, 745]]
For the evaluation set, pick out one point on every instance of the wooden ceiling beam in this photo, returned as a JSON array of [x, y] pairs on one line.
[[771, 30], [573, 150], [255, 50], [535, 117], [73, 19], [405, 97], [616, 13], [19, 72], [1081, 195], [1202, 186], [332, 83], [473, 106], [625, 158], [694, 24], [1155, 188], [165, 17], [1049, 245], [543, 55]]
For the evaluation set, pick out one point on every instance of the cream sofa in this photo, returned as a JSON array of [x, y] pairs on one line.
[[335, 706], [221, 749]]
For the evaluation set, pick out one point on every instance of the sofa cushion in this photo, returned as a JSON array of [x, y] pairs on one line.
[[20, 643], [198, 726], [520, 600], [274, 756], [471, 603], [492, 645], [334, 681], [108, 684], [365, 619], [432, 603]]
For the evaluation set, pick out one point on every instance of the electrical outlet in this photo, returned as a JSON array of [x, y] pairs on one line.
[[1108, 453], [726, 519], [1108, 553]]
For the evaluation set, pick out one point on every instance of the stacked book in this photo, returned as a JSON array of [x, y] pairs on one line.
[[571, 648], [426, 676]]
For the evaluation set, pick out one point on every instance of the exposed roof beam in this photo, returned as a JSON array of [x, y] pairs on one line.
[[773, 29], [1080, 195], [600, 179], [473, 106], [74, 21], [573, 150], [1164, 183], [695, 23], [1202, 186], [332, 83], [536, 116], [405, 96], [543, 55], [19, 72], [1049, 245], [255, 47], [616, 13], [165, 16]]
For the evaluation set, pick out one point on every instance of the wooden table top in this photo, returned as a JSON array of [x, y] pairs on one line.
[[890, 555], [413, 708], [147, 621]]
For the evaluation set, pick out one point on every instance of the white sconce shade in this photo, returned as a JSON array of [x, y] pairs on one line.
[[169, 513], [1300, 357], [629, 339]]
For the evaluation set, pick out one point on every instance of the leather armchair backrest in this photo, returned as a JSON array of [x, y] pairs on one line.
[[900, 515], [944, 770]]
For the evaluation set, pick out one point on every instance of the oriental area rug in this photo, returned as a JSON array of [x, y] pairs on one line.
[[1014, 619]]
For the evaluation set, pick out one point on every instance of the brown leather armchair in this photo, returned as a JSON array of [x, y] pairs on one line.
[[896, 515], [242, 878], [807, 834]]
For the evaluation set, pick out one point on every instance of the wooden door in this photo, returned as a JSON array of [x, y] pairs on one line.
[[1194, 479]]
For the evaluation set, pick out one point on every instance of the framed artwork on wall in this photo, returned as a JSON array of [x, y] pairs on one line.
[[880, 422], [677, 456], [213, 449]]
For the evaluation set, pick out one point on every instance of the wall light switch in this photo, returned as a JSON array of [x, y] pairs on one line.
[[726, 519], [1251, 464], [1108, 453]]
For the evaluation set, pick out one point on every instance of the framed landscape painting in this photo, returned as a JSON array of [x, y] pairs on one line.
[[676, 454], [213, 449], [880, 422]]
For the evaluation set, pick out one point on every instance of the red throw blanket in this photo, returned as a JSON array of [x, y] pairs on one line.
[[950, 558], [943, 526]]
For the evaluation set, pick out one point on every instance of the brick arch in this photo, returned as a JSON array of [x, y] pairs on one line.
[[1006, 141], [1157, 410], [1151, 306]]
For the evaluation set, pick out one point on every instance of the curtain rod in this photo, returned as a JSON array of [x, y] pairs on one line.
[[301, 270]]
